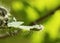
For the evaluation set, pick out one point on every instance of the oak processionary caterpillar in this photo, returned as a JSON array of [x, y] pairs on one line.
[[9, 23]]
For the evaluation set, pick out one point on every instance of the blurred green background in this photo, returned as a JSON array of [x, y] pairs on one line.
[[29, 11]]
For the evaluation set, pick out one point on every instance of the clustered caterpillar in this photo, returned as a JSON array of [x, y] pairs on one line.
[[10, 26], [5, 17], [9, 23]]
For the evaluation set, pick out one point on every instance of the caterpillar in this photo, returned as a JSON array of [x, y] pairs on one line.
[[5, 17]]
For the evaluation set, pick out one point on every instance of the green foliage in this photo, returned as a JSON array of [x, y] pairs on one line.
[[29, 11]]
